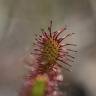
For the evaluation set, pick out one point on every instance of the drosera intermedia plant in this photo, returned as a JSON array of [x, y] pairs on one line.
[[51, 55]]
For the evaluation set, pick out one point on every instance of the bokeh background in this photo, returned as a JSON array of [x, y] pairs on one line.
[[21, 19]]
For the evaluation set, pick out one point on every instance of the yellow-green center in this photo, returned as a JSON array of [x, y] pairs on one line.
[[50, 51]]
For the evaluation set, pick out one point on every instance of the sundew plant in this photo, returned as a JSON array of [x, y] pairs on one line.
[[51, 56]]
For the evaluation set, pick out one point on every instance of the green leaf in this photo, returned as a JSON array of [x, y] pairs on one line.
[[39, 88]]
